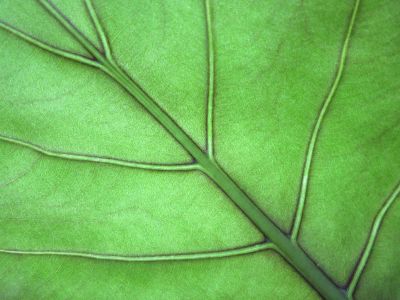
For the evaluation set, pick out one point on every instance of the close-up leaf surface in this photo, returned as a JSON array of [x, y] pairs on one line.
[[199, 149]]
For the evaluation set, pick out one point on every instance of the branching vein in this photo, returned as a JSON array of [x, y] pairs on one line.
[[99, 29], [317, 127], [52, 49], [150, 258], [67, 24], [100, 159], [211, 80], [371, 240]]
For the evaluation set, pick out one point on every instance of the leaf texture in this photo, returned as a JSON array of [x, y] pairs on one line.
[[298, 102]]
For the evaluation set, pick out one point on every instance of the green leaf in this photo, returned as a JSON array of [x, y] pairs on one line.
[[199, 149]]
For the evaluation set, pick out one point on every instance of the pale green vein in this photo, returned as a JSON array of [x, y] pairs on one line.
[[52, 49], [78, 35], [211, 80], [150, 258], [99, 29], [53, 11], [371, 240], [103, 63], [317, 127], [99, 159]]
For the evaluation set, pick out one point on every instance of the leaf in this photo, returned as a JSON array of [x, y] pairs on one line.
[[216, 149]]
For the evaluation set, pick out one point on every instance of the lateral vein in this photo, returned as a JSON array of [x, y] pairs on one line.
[[149, 258], [100, 159], [99, 29], [52, 49], [210, 80], [377, 223], [317, 127]]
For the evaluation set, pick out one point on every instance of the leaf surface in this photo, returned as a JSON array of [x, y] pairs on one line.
[[92, 183]]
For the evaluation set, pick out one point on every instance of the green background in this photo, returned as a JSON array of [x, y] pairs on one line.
[[274, 65]]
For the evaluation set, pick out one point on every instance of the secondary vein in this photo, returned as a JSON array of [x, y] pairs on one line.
[[99, 29], [99, 159], [305, 179], [211, 80], [371, 240], [52, 49], [70, 27], [149, 258]]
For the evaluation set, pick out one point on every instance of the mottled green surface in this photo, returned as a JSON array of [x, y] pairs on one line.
[[275, 63]]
